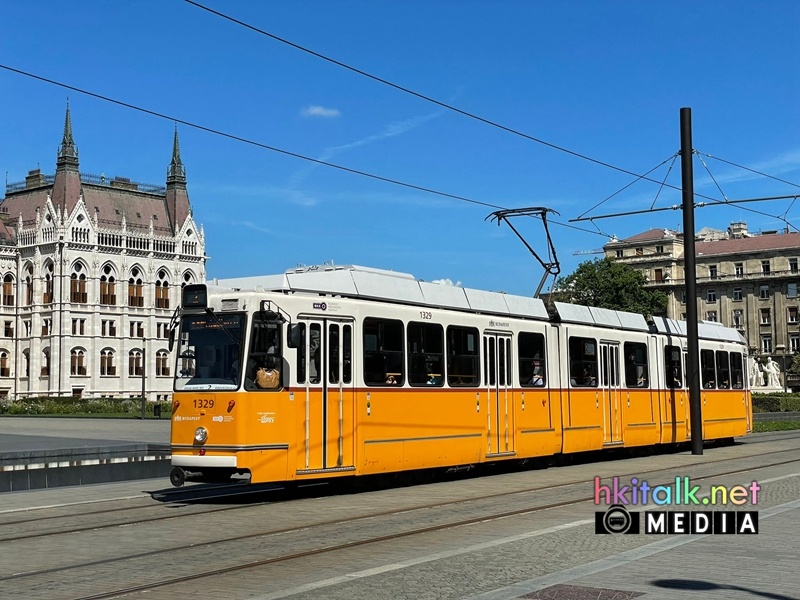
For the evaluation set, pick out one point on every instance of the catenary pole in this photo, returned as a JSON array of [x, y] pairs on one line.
[[690, 277]]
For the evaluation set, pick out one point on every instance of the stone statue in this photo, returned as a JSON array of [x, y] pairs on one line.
[[756, 376], [773, 372]]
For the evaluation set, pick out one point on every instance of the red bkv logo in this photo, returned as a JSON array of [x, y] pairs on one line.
[[617, 519]]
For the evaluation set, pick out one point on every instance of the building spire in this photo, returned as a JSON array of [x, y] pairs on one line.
[[176, 172], [67, 152]]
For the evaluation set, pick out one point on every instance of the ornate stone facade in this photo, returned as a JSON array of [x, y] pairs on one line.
[[91, 271]]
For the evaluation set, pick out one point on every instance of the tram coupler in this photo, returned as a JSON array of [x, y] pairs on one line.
[[177, 476]]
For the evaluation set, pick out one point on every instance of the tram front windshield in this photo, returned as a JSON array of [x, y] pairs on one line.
[[209, 353]]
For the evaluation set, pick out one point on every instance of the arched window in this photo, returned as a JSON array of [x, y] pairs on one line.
[[108, 293], [5, 370], [26, 363], [107, 362], [135, 293], [47, 296], [188, 278], [135, 363], [28, 284], [45, 362], [162, 363], [77, 284], [8, 290], [162, 290], [77, 365]]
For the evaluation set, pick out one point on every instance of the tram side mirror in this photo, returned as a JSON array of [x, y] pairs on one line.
[[295, 337], [171, 339]]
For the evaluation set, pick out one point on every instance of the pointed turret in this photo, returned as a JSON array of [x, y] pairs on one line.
[[67, 184], [177, 198], [176, 173], [67, 152]]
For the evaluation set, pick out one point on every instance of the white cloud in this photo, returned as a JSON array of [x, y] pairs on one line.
[[320, 111], [447, 282]]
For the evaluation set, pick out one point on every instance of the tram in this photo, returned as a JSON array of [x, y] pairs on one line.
[[340, 371]]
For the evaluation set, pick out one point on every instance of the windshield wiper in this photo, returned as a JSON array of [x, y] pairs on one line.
[[211, 312]]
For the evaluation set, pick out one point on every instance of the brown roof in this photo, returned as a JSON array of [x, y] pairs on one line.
[[652, 234], [109, 204], [759, 243]]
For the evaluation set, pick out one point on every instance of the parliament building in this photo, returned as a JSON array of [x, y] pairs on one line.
[[92, 269]]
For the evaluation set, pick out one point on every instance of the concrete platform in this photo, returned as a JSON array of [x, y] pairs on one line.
[[44, 452]]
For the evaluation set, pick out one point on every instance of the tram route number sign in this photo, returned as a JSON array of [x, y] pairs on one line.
[[617, 519]]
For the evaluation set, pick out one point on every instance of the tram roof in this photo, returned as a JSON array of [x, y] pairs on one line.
[[603, 317], [369, 283], [707, 330], [353, 281]]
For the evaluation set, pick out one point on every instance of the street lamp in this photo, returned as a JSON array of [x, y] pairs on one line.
[[144, 379]]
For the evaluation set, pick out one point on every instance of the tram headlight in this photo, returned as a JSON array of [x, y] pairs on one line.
[[201, 434]]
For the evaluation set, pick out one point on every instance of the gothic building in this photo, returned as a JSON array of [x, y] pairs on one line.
[[91, 273]]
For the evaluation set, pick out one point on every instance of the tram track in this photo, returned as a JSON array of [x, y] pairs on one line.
[[447, 523], [231, 495]]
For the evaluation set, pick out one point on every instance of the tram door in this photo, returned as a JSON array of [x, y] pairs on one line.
[[611, 392], [325, 375], [498, 382], [687, 415]]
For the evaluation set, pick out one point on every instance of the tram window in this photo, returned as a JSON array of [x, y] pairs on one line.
[[532, 365], [707, 370], [210, 351], [265, 350], [488, 360], [636, 372], [383, 352], [723, 370], [503, 361], [425, 354], [333, 353], [347, 349], [737, 371], [583, 362], [298, 337], [314, 351], [673, 367], [463, 366]]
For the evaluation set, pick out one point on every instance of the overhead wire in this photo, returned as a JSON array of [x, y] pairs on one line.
[[421, 96], [733, 164], [250, 142]]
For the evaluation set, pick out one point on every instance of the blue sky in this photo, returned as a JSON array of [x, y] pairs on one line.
[[602, 79]]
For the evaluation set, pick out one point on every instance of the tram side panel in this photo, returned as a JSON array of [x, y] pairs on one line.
[[539, 402], [419, 403], [640, 387], [724, 397], [584, 414]]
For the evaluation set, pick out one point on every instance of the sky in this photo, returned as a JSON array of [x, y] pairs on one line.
[[584, 96]]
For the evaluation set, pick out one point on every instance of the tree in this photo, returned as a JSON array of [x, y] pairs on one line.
[[606, 283]]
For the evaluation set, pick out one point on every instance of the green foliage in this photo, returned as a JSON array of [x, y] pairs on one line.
[[777, 402], [606, 283], [794, 366], [64, 405], [761, 426]]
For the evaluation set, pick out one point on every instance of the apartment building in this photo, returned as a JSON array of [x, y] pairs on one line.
[[744, 280]]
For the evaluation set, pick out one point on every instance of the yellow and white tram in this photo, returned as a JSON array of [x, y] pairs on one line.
[[337, 371]]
